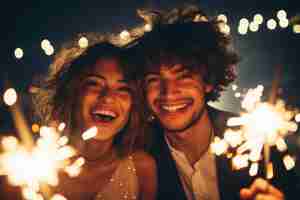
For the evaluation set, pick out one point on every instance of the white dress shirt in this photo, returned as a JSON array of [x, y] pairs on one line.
[[199, 181]]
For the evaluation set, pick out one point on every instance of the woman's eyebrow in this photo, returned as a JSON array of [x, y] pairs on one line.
[[96, 75]]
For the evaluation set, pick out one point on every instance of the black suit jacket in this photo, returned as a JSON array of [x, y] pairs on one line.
[[229, 182]]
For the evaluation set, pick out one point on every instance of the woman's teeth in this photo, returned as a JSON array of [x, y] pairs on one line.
[[173, 108], [105, 115]]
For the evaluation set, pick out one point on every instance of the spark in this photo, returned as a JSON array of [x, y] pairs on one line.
[[259, 126], [30, 168], [90, 133]]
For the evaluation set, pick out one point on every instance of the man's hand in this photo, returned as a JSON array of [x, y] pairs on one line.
[[260, 189]]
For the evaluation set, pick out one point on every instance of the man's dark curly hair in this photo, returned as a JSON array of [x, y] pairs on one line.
[[186, 36]]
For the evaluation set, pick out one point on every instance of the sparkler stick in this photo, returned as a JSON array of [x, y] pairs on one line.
[[272, 100]]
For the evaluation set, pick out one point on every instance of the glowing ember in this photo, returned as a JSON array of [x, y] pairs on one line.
[[10, 97], [90, 133], [262, 125]]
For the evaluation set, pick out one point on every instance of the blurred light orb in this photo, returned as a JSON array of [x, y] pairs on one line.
[[281, 14], [35, 128], [222, 18], [83, 42], [224, 28], [296, 28], [284, 23], [19, 53], [10, 97], [237, 95], [243, 30], [147, 27], [271, 24], [234, 87], [49, 51], [297, 118], [244, 22], [45, 44], [125, 35], [253, 27], [258, 19]]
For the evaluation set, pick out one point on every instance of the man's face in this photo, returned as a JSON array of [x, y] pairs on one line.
[[105, 99], [176, 96]]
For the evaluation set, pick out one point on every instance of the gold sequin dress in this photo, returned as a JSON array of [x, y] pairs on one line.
[[123, 183]]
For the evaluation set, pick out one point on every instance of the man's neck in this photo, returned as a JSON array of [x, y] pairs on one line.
[[195, 140]]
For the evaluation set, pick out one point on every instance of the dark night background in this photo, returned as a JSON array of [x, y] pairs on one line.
[[26, 23]]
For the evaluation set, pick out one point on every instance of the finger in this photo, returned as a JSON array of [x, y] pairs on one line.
[[245, 193], [267, 197], [260, 185]]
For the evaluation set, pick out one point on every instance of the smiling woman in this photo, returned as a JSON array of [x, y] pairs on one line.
[[98, 89]]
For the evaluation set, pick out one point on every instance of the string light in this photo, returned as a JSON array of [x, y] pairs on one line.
[[125, 35], [284, 23], [222, 17], [271, 24], [296, 28], [147, 27], [281, 14], [258, 19], [45, 44], [10, 97], [83, 42], [253, 27], [19, 53]]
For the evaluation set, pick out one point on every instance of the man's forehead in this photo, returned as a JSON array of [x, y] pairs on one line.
[[171, 68]]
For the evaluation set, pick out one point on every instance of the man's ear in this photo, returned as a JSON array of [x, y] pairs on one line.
[[208, 88]]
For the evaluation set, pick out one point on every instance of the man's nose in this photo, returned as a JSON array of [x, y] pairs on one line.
[[169, 88]]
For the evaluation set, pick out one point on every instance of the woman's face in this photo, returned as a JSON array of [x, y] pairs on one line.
[[104, 99]]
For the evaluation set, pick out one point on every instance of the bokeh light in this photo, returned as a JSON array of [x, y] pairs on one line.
[[19, 53], [10, 97]]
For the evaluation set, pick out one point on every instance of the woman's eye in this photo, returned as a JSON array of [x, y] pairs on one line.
[[124, 89]]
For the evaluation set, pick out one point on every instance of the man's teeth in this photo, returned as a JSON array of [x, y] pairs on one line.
[[173, 107]]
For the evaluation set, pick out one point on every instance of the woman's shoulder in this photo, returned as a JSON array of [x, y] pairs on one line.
[[146, 173], [143, 160]]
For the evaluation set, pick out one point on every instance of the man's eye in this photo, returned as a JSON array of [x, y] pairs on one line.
[[151, 80]]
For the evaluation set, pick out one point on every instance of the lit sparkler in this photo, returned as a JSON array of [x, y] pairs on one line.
[[262, 125], [35, 165]]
